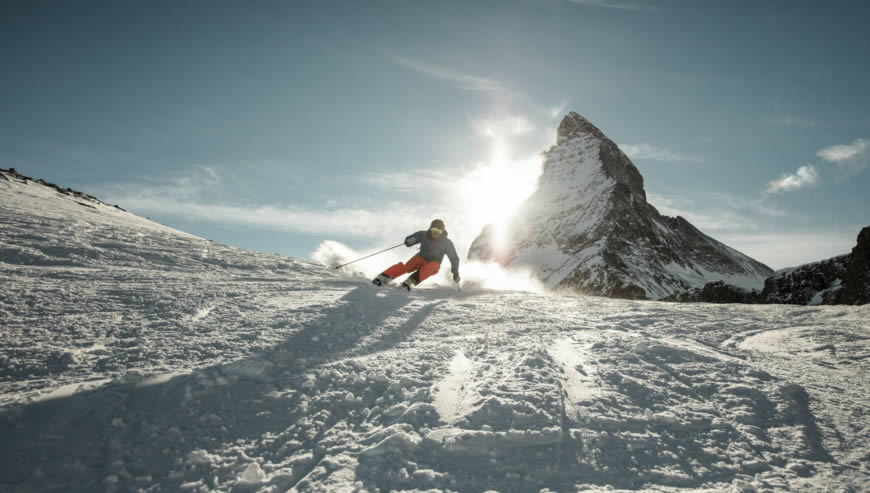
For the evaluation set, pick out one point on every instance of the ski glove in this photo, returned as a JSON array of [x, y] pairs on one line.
[[456, 277], [410, 241]]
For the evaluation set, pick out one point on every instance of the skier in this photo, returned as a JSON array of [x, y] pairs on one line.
[[433, 246]]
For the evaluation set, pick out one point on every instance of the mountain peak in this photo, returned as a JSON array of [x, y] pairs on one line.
[[574, 125], [588, 228]]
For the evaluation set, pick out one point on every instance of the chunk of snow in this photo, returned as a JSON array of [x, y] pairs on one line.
[[252, 475], [397, 442]]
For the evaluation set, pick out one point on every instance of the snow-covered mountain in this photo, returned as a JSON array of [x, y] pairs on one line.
[[135, 357], [588, 228]]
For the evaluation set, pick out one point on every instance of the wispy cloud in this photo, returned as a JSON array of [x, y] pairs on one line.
[[792, 121], [511, 126], [850, 159], [360, 222], [780, 250], [839, 153], [755, 206], [712, 220], [645, 151], [632, 5], [738, 222], [205, 193], [803, 177], [461, 79], [412, 181]]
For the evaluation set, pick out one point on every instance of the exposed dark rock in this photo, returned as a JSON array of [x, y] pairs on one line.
[[815, 283], [856, 279], [716, 292], [11, 173], [842, 280], [620, 168], [574, 125]]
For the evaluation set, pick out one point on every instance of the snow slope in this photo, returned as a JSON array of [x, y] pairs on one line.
[[139, 358]]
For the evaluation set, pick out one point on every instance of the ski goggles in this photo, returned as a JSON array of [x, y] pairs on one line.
[[436, 231]]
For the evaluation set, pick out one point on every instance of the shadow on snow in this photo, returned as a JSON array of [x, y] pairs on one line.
[[135, 435]]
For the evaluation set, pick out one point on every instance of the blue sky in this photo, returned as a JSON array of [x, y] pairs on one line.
[[277, 125]]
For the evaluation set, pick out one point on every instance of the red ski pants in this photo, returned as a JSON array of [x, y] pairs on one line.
[[426, 267]]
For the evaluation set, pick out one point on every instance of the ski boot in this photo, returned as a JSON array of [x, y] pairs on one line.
[[411, 281], [382, 280]]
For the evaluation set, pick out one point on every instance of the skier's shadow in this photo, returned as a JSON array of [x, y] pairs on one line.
[[358, 313], [77, 439]]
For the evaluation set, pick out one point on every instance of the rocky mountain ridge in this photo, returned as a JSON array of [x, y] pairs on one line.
[[11, 174], [811, 284], [841, 280]]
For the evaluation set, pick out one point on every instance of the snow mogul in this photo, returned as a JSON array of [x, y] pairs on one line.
[[434, 244]]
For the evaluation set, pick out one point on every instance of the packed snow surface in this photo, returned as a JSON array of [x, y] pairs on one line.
[[138, 358]]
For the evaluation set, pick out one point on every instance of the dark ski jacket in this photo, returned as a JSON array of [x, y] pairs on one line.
[[434, 250]]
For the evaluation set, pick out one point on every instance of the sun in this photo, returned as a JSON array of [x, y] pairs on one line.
[[492, 191]]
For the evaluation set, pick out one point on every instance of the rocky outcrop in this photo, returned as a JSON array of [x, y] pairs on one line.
[[811, 284], [11, 174], [716, 292], [588, 228], [843, 280], [856, 279]]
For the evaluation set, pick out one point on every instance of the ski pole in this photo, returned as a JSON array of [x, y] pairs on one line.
[[367, 256]]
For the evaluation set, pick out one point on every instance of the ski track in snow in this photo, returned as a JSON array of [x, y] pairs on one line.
[[137, 358], [451, 398]]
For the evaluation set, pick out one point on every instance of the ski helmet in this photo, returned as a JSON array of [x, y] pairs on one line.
[[437, 223]]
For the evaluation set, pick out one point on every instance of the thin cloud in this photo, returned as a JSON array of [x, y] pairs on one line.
[[462, 80], [637, 6], [347, 221], [648, 152], [191, 198], [715, 219], [756, 206], [843, 152], [803, 177], [718, 212], [385, 220], [204, 194], [731, 220], [412, 181], [792, 121], [503, 127], [780, 250], [850, 159]]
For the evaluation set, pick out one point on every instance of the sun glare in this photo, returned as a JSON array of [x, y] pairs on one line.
[[493, 190]]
